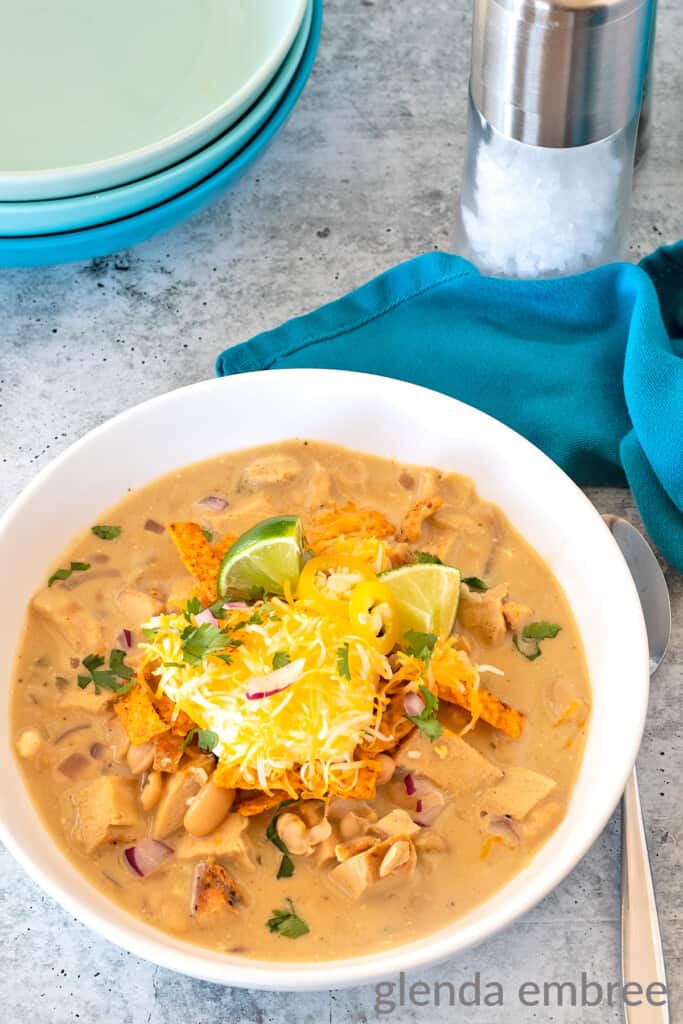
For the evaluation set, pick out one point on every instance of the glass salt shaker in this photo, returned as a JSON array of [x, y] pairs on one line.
[[554, 101]]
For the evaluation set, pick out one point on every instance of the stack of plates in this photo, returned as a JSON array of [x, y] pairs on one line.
[[120, 120]]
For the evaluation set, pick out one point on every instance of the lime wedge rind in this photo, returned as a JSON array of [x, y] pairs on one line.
[[262, 559], [426, 596]]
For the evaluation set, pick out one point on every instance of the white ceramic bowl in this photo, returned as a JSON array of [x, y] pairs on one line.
[[385, 417]]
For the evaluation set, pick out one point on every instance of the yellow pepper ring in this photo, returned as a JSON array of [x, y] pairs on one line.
[[373, 612], [329, 565]]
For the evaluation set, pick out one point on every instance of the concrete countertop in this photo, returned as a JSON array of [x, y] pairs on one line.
[[364, 174]]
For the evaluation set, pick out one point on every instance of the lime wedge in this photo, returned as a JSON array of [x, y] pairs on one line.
[[262, 559], [426, 597]]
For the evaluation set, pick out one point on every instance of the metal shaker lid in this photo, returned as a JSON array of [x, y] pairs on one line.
[[559, 73]]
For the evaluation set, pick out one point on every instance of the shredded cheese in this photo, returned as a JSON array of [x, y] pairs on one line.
[[310, 732]]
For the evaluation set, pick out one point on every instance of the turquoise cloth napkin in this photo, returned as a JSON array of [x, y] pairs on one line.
[[589, 368]]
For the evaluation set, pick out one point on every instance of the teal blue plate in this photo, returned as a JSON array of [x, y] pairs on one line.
[[88, 243], [59, 215]]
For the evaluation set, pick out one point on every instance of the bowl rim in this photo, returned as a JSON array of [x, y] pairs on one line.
[[196, 961]]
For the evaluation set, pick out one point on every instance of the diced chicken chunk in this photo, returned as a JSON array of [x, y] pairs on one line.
[[449, 762], [483, 613], [106, 812], [229, 842], [270, 469], [172, 808], [378, 864], [137, 606], [68, 621], [517, 793], [516, 615], [396, 823]]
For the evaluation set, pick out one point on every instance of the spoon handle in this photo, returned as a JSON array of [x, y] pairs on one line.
[[642, 959]]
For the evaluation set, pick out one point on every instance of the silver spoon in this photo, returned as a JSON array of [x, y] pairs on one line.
[[642, 959]]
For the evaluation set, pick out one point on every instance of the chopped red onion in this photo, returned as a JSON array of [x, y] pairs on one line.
[[147, 855], [242, 605], [153, 526], [125, 639], [213, 503], [206, 618], [413, 704], [418, 806], [409, 783], [259, 687]]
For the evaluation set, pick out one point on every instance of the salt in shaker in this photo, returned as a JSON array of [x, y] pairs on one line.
[[555, 95]]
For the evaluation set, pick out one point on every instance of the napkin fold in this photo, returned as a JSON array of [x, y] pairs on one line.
[[589, 368]]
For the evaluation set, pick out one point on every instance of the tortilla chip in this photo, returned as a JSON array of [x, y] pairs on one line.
[[366, 784], [394, 725], [213, 889], [487, 707], [138, 716], [332, 522], [259, 802], [199, 557], [176, 720], [168, 752], [415, 517]]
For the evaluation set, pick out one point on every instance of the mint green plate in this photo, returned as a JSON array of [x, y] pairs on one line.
[[98, 94], [50, 216], [88, 243]]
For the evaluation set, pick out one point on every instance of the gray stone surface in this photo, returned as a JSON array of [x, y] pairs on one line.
[[364, 174]]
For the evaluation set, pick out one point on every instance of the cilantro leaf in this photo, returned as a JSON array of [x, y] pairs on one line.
[[530, 649], [200, 641], [420, 645], [427, 720], [256, 619], [118, 666], [207, 534], [63, 574], [343, 661], [218, 609], [528, 643], [107, 679], [475, 583], [206, 740], [287, 923], [541, 631], [280, 659], [286, 869], [193, 607], [106, 532], [426, 558]]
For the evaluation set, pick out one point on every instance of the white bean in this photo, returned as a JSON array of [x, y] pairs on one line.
[[28, 743]]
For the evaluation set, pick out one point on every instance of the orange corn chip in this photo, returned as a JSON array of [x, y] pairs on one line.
[[394, 725], [138, 716], [487, 707], [213, 889], [198, 556], [259, 802], [168, 752], [348, 521], [415, 517], [365, 785], [175, 719]]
